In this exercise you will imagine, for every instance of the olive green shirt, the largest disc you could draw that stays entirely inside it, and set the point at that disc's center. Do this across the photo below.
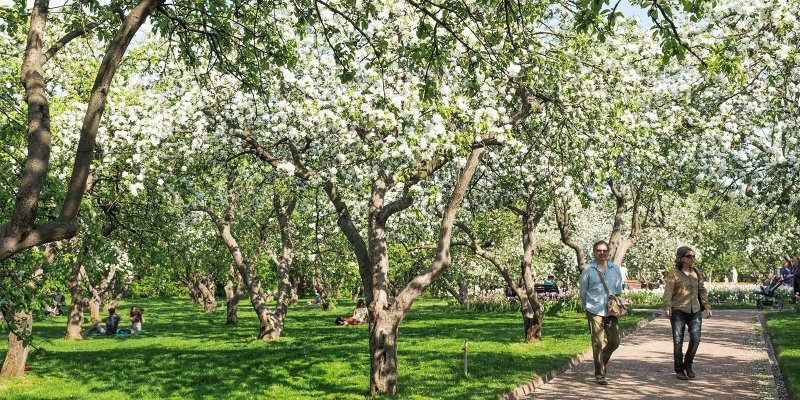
(685, 292)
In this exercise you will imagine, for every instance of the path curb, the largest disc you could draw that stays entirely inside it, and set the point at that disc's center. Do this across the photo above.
(528, 388)
(780, 380)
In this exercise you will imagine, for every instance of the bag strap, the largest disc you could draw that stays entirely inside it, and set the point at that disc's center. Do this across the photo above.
(603, 281)
(696, 272)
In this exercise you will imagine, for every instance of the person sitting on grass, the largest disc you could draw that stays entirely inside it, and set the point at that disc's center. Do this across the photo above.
(112, 322)
(317, 301)
(48, 310)
(59, 302)
(137, 319)
(359, 315)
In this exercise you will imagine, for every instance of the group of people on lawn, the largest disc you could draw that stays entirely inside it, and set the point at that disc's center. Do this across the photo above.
(112, 323)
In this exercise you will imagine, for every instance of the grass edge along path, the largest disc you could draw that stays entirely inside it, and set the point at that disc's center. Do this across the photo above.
(185, 354)
(783, 329)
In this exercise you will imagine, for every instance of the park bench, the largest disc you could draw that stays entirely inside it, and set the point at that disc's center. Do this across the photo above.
(549, 290)
(634, 284)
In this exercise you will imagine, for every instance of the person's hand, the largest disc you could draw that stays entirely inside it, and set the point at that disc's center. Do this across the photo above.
(668, 313)
(709, 313)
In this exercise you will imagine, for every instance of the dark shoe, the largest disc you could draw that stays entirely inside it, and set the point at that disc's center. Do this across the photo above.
(601, 381)
(690, 374)
(682, 376)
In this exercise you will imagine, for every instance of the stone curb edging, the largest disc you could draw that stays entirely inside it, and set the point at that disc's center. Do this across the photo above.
(520, 392)
(780, 380)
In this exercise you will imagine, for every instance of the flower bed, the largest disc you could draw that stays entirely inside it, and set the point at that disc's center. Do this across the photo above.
(733, 295)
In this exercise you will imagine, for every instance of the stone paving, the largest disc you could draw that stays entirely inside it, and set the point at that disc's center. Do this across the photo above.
(731, 363)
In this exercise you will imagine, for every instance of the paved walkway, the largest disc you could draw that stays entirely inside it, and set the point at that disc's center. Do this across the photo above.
(731, 363)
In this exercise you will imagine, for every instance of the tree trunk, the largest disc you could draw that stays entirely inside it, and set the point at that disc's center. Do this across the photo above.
(387, 314)
(207, 295)
(22, 232)
(269, 326)
(94, 309)
(617, 246)
(232, 298)
(461, 295)
(383, 354)
(532, 314)
(17, 355)
(75, 318)
(285, 292)
(564, 228)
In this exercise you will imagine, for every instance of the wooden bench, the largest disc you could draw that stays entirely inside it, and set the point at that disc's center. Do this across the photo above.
(634, 284)
(550, 290)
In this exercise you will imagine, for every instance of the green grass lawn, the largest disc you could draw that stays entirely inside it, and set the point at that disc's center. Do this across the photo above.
(185, 354)
(783, 329)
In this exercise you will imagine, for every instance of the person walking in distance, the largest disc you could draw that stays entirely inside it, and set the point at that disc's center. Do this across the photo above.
(685, 298)
(603, 327)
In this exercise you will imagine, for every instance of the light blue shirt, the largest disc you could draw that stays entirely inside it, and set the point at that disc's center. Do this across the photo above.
(593, 296)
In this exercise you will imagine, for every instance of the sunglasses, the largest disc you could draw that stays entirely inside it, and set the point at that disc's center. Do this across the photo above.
(689, 256)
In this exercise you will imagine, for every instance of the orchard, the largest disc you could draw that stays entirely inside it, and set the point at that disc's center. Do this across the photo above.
(291, 157)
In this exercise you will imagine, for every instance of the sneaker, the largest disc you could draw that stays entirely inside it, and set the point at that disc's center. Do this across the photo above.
(690, 374)
(682, 376)
(601, 381)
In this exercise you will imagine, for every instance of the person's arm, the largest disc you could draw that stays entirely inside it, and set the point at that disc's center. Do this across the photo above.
(618, 283)
(583, 284)
(669, 285)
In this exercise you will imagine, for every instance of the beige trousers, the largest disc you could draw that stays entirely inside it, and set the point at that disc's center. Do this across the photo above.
(605, 339)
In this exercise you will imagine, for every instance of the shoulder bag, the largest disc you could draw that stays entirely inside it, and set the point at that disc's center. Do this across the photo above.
(617, 306)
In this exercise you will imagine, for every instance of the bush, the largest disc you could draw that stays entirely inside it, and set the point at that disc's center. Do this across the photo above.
(645, 298)
(500, 304)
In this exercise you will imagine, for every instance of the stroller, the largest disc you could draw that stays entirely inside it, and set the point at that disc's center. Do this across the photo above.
(767, 294)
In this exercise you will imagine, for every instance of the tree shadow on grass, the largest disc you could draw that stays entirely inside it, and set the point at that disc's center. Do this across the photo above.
(187, 354)
(214, 373)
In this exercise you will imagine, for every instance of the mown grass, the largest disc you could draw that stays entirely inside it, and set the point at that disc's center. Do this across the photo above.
(185, 354)
(783, 328)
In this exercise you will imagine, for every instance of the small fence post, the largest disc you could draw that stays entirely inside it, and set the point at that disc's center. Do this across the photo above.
(466, 352)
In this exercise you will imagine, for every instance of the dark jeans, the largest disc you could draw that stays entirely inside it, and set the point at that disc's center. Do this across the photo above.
(679, 322)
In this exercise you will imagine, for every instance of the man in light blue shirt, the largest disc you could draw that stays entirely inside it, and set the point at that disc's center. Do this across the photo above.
(604, 328)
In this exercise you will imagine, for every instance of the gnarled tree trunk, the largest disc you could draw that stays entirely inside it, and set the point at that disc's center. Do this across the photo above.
(22, 231)
(563, 219)
(530, 307)
(75, 318)
(233, 293)
(385, 313)
(383, 352)
(270, 323)
(532, 313)
(618, 246)
(17, 354)
(461, 295)
(22, 326)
